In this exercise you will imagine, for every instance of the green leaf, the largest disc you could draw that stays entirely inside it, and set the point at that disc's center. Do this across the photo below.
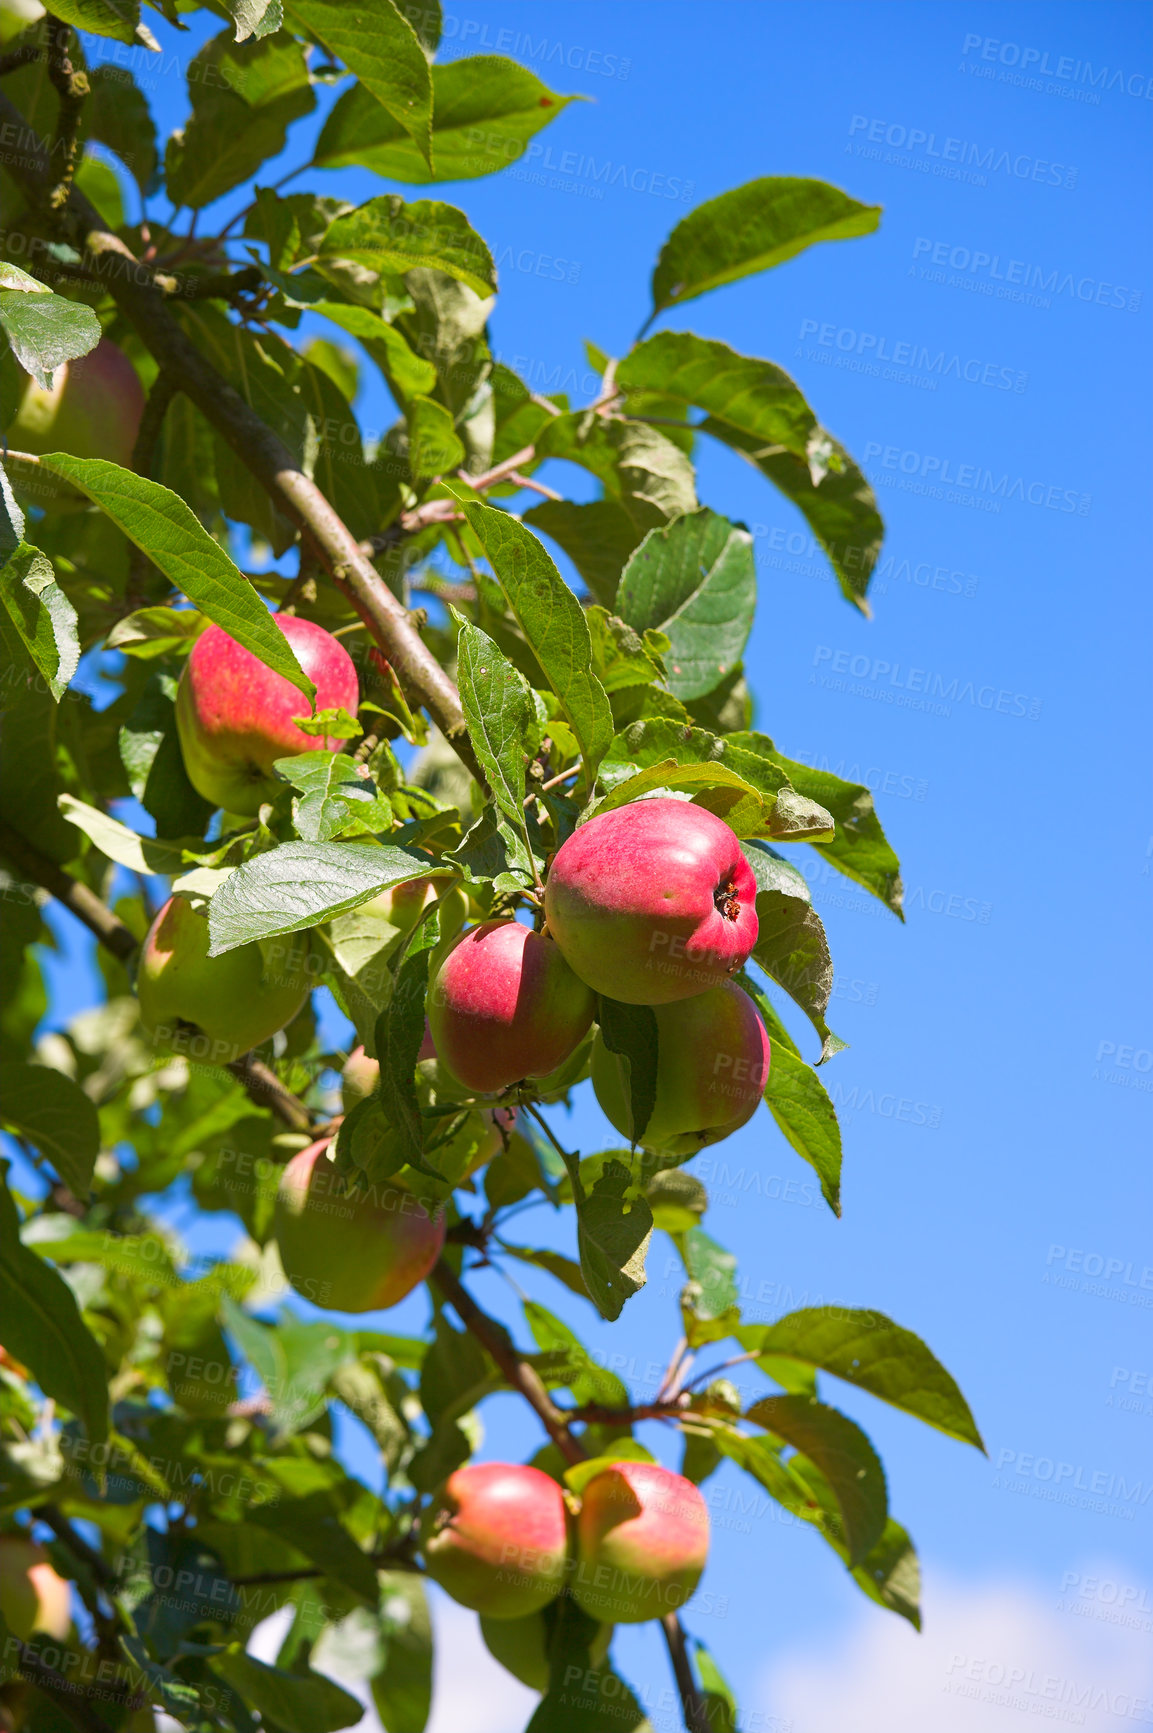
(119, 19)
(677, 1199)
(613, 1234)
(891, 1574)
(399, 1033)
(485, 110)
(300, 884)
(44, 619)
(388, 235)
(117, 114)
(645, 473)
(163, 527)
(630, 1032)
(751, 228)
(743, 788)
(408, 374)
(712, 1296)
(860, 848)
(552, 620)
(695, 580)
(380, 47)
(433, 446)
(402, 1690)
(500, 711)
(554, 1262)
(455, 1372)
(256, 17)
(310, 1524)
(245, 96)
(43, 1328)
(598, 538)
(757, 409)
(720, 1704)
(140, 854)
(297, 1702)
(44, 330)
(56, 1117)
(333, 790)
(867, 1349)
(572, 1363)
(845, 1457)
(799, 1101)
(837, 501)
(791, 943)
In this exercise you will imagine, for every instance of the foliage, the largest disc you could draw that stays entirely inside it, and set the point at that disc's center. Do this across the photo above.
(180, 1409)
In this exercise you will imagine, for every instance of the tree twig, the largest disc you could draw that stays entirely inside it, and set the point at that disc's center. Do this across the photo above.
(256, 445)
(71, 85)
(692, 1703)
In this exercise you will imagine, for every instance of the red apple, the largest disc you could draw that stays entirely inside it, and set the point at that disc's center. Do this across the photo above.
(93, 409)
(497, 1539)
(713, 1058)
(216, 1008)
(642, 1542)
(33, 1597)
(234, 715)
(652, 902)
(351, 1248)
(504, 1005)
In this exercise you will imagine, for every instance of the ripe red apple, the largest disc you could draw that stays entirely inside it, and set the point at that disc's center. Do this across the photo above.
(234, 714)
(351, 1248)
(713, 1058)
(642, 1542)
(497, 1539)
(521, 1647)
(33, 1597)
(652, 902)
(216, 1008)
(505, 1005)
(93, 409)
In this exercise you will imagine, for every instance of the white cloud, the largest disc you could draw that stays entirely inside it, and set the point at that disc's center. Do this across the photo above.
(992, 1656)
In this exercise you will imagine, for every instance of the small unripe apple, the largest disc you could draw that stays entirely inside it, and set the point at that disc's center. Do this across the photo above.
(713, 1057)
(33, 1597)
(93, 409)
(653, 902)
(234, 715)
(351, 1248)
(521, 1647)
(504, 1005)
(497, 1538)
(216, 1008)
(642, 1542)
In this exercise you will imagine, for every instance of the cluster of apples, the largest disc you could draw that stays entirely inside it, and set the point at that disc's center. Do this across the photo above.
(652, 903)
(502, 1539)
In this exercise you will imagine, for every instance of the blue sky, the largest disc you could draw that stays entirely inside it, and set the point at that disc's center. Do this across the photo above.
(985, 357)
